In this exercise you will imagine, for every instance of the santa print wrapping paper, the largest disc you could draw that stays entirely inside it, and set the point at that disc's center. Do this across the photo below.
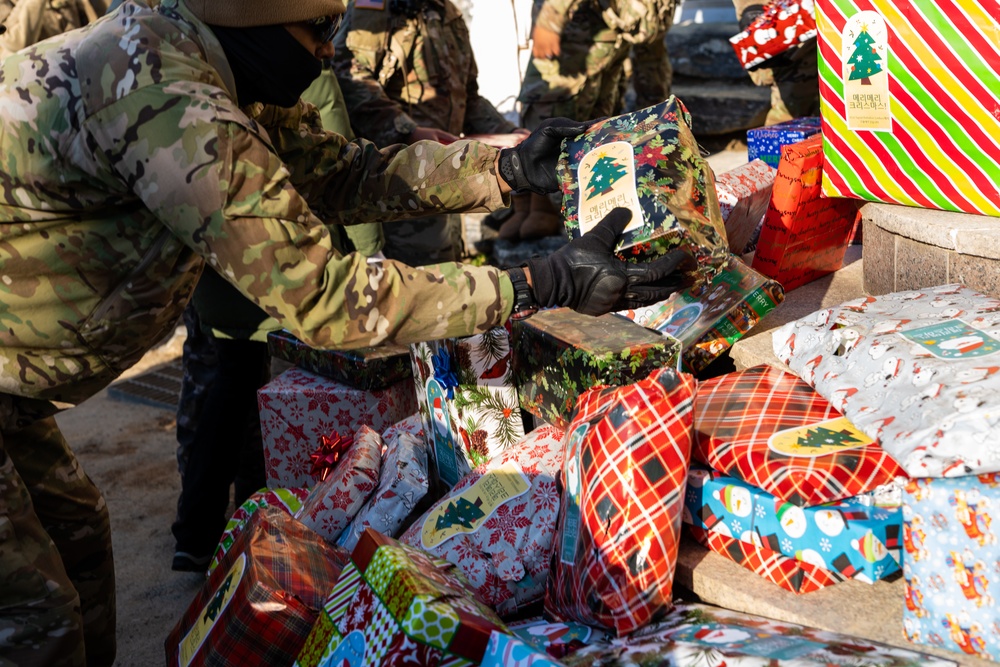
(298, 409)
(395, 605)
(908, 94)
(782, 25)
(916, 370)
(709, 317)
(766, 143)
(795, 576)
(335, 501)
(497, 525)
(805, 236)
(364, 368)
(559, 354)
(773, 431)
(744, 194)
(648, 162)
(258, 606)
(468, 400)
(845, 537)
(952, 564)
(288, 500)
(625, 467)
(403, 485)
(705, 636)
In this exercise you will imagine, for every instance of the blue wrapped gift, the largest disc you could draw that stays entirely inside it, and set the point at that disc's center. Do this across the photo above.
(765, 143)
(951, 564)
(848, 537)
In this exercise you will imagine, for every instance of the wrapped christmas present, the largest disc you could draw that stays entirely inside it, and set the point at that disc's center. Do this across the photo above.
(709, 317)
(909, 103)
(556, 639)
(258, 606)
(498, 524)
(765, 143)
(697, 634)
(648, 162)
(950, 564)
(403, 485)
(916, 370)
(364, 368)
(287, 500)
(626, 462)
(795, 576)
(845, 537)
(306, 421)
(773, 431)
(468, 400)
(561, 353)
(509, 651)
(412, 425)
(805, 236)
(744, 194)
(395, 605)
(337, 499)
(782, 25)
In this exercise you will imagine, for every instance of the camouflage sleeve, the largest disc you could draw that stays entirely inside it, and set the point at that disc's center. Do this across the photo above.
(208, 174)
(373, 114)
(554, 14)
(24, 25)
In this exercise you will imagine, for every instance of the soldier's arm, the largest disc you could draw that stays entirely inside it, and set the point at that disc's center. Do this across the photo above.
(373, 114)
(554, 14)
(24, 25)
(205, 171)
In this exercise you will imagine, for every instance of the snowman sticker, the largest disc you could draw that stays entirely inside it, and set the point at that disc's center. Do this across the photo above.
(952, 340)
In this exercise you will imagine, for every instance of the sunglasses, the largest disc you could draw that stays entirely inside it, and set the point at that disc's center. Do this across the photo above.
(326, 26)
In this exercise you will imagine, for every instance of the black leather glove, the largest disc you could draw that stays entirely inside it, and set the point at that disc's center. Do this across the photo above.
(586, 276)
(531, 165)
(749, 15)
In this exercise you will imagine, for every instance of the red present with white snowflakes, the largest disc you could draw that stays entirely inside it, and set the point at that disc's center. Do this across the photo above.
(782, 25)
(468, 401)
(744, 194)
(498, 523)
(336, 500)
(306, 420)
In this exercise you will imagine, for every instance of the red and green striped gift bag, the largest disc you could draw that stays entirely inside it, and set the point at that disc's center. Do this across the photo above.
(910, 107)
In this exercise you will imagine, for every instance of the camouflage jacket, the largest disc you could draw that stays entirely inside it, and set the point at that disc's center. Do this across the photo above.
(31, 21)
(635, 21)
(398, 72)
(126, 164)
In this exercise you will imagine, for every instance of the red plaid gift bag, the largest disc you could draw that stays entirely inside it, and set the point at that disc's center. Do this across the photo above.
(793, 575)
(287, 500)
(772, 430)
(260, 603)
(336, 500)
(624, 475)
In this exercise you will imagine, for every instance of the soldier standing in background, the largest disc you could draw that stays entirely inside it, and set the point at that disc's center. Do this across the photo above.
(31, 21)
(408, 73)
(793, 75)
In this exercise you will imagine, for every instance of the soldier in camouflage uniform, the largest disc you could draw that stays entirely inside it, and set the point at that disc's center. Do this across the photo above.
(793, 75)
(128, 165)
(406, 67)
(31, 21)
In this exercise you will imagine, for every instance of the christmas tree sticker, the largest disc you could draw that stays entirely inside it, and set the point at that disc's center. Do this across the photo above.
(460, 513)
(824, 437)
(219, 599)
(607, 171)
(865, 59)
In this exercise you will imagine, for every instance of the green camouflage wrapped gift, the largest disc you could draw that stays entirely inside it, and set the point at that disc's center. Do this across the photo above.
(364, 368)
(559, 354)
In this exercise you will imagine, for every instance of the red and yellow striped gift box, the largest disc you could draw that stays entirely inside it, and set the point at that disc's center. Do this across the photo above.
(910, 104)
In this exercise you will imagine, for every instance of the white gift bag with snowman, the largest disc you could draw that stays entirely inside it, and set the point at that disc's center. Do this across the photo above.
(918, 370)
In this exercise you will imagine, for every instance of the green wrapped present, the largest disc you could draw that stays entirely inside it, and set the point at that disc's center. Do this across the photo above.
(364, 368)
(559, 354)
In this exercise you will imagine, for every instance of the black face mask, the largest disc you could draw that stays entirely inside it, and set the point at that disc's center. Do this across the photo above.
(269, 65)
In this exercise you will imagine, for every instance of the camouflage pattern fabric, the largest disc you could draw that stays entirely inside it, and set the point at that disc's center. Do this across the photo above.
(131, 162)
(652, 73)
(31, 21)
(57, 579)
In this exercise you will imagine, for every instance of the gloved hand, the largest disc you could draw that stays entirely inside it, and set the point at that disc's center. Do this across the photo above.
(586, 276)
(531, 165)
(749, 15)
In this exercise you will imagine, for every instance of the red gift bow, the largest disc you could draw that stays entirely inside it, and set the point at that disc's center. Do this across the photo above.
(325, 458)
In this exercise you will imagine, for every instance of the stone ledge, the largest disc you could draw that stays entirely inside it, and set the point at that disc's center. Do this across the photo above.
(963, 233)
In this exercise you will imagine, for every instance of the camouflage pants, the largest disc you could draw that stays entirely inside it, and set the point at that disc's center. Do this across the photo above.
(428, 240)
(794, 84)
(652, 73)
(57, 578)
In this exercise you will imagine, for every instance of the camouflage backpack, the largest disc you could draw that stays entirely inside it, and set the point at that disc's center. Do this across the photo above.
(638, 21)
